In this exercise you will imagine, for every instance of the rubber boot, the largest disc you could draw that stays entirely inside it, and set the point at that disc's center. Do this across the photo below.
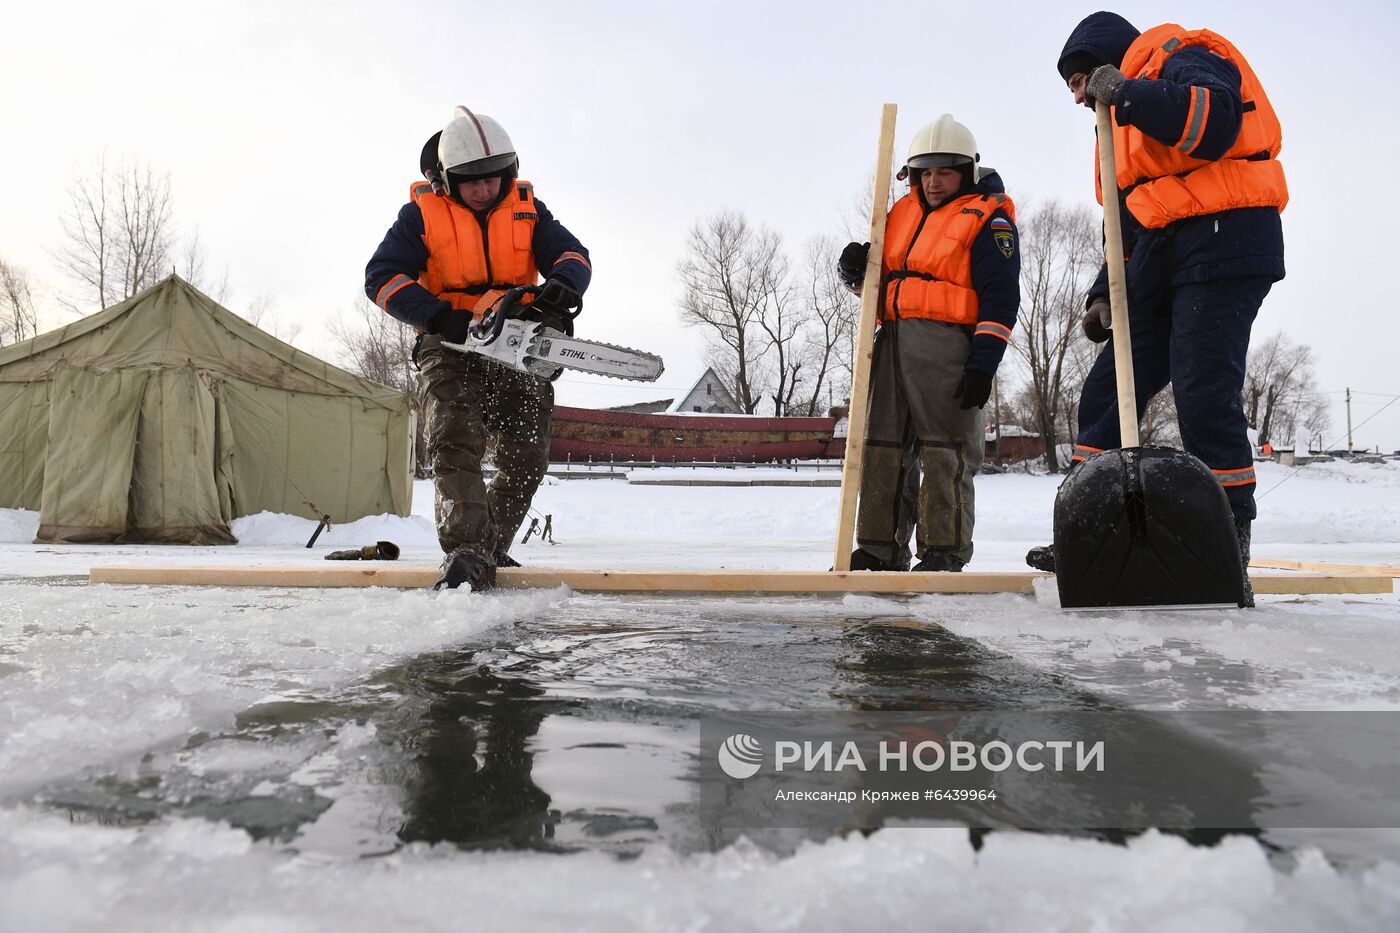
(462, 567)
(1243, 533)
(938, 562)
(863, 560)
(1042, 558)
(505, 560)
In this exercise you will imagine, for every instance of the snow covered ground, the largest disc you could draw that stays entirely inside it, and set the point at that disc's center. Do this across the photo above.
(157, 692)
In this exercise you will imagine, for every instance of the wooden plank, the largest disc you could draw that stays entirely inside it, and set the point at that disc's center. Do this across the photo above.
(1319, 583)
(1381, 570)
(690, 581)
(587, 581)
(865, 345)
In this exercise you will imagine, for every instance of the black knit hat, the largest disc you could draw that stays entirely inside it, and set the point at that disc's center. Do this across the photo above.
(1100, 39)
(1081, 63)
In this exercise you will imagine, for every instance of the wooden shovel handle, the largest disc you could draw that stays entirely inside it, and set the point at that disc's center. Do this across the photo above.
(1117, 281)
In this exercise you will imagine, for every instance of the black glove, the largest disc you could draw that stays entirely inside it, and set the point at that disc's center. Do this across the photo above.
(383, 550)
(851, 265)
(974, 389)
(552, 305)
(1105, 84)
(450, 324)
(1098, 321)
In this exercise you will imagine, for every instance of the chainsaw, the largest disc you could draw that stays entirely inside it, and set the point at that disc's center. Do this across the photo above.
(531, 347)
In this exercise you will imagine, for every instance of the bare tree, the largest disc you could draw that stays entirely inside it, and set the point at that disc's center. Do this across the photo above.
(832, 312)
(782, 318)
(262, 314)
(1280, 394)
(117, 230)
(194, 268)
(727, 279)
(18, 319)
(380, 348)
(1060, 254)
(1158, 425)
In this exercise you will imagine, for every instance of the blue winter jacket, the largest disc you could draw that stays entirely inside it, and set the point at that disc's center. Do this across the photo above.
(403, 252)
(1242, 242)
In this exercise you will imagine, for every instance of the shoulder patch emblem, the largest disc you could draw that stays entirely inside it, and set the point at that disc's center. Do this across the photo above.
(1004, 235)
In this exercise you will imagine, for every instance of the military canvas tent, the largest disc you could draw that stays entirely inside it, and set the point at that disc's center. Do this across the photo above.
(165, 417)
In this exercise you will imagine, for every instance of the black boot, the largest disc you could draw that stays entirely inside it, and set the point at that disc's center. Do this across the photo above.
(462, 566)
(1243, 533)
(505, 560)
(938, 562)
(864, 560)
(1042, 558)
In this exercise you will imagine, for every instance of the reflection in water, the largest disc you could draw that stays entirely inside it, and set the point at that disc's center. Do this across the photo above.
(912, 665)
(899, 666)
(469, 780)
(577, 729)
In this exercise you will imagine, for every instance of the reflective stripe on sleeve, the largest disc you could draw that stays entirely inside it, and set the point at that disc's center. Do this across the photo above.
(390, 289)
(1196, 119)
(995, 329)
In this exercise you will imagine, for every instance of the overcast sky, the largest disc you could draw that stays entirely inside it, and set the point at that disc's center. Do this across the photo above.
(291, 132)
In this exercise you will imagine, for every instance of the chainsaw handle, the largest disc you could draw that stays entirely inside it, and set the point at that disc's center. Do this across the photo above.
(490, 326)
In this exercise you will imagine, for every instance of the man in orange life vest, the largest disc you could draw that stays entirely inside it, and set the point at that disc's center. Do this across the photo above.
(1196, 142)
(950, 286)
(473, 230)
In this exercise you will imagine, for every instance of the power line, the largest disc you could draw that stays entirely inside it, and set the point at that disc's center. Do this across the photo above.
(1298, 470)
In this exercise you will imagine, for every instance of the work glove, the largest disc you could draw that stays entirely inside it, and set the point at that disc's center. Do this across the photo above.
(381, 550)
(974, 389)
(851, 265)
(552, 306)
(450, 324)
(1105, 84)
(1098, 321)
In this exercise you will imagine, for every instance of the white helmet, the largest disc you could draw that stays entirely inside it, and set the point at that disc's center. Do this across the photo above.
(944, 143)
(474, 146)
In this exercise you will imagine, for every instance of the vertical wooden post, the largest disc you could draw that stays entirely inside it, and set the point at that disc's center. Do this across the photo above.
(1117, 281)
(865, 345)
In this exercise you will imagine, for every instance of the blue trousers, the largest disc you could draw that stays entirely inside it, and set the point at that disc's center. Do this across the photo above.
(1194, 336)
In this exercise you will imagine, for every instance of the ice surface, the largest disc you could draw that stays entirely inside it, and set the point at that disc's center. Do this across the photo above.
(121, 681)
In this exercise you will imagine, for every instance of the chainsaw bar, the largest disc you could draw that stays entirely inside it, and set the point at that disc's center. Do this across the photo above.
(603, 359)
(539, 351)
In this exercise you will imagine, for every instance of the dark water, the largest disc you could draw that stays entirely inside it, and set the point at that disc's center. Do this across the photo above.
(575, 730)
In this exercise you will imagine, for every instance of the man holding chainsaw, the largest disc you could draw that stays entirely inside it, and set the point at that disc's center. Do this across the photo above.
(469, 235)
(1197, 146)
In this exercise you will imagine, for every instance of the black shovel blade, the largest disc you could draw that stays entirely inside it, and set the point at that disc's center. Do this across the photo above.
(1145, 526)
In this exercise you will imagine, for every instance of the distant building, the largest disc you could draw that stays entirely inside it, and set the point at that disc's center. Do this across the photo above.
(708, 396)
(1013, 443)
(645, 408)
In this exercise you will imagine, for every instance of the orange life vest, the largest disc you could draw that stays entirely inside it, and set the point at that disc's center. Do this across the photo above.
(1164, 184)
(465, 269)
(927, 268)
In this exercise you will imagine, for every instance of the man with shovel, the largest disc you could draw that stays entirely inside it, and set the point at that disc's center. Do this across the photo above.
(1196, 142)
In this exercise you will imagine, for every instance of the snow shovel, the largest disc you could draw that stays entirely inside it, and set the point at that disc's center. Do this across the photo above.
(1140, 527)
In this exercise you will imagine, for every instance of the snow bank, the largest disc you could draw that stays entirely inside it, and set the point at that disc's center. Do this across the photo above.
(270, 529)
(92, 675)
(18, 525)
(188, 874)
